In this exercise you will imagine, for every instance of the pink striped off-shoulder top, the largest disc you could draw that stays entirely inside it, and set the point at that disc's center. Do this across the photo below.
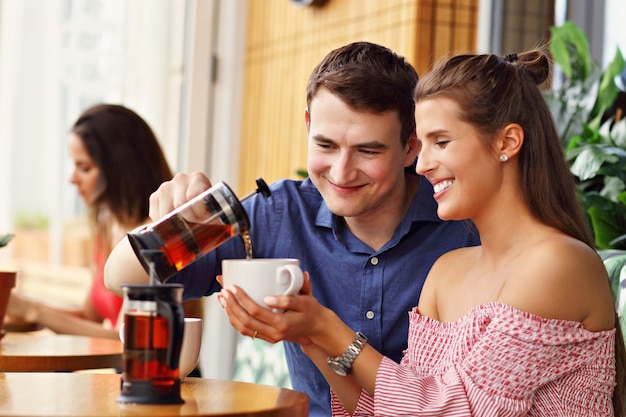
(495, 361)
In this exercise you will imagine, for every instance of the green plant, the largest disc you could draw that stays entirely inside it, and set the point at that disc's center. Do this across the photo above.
(593, 138)
(28, 220)
(5, 239)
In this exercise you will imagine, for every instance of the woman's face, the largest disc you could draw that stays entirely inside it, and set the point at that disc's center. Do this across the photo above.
(86, 172)
(464, 173)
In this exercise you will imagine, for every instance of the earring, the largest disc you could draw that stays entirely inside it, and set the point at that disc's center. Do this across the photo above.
(504, 158)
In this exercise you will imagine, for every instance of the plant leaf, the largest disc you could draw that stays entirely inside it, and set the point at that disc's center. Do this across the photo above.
(622, 198)
(613, 187)
(618, 133)
(565, 38)
(589, 161)
(605, 228)
(607, 91)
(5, 239)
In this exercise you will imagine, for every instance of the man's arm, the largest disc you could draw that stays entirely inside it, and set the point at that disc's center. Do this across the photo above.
(123, 267)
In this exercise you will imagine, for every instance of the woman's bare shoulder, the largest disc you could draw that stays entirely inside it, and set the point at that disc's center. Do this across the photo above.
(452, 265)
(442, 276)
(561, 278)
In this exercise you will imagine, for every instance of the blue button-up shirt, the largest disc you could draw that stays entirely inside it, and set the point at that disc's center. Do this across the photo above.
(372, 291)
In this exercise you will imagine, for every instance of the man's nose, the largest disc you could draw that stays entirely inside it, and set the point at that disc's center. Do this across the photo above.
(342, 169)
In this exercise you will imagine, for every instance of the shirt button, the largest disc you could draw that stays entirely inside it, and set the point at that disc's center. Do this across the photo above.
(369, 314)
(374, 261)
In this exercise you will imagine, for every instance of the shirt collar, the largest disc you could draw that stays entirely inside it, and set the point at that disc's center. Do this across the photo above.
(423, 209)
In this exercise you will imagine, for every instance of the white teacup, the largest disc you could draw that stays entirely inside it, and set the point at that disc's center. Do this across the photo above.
(260, 278)
(190, 348)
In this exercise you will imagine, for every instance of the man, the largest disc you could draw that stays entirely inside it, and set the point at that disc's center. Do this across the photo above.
(363, 225)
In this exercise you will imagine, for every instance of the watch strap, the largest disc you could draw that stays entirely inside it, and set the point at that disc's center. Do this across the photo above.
(342, 364)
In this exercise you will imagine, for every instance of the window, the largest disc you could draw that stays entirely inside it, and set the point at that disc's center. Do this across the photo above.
(57, 57)
(518, 25)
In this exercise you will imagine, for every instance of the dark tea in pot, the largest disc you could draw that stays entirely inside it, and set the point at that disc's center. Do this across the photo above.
(193, 229)
(154, 322)
(146, 341)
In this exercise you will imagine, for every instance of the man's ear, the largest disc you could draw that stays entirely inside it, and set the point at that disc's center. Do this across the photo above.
(412, 149)
(307, 119)
(511, 140)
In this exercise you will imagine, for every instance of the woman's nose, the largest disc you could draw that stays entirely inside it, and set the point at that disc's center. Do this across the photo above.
(423, 164)
(73, 179)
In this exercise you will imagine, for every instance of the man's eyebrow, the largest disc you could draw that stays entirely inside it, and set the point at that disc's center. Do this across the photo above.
(324, 139)
(374, 144)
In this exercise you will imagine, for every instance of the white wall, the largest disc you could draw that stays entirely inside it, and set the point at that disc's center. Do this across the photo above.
(29, 124)
(614, 30)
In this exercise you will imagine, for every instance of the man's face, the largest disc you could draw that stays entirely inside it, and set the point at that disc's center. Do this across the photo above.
(356, 159)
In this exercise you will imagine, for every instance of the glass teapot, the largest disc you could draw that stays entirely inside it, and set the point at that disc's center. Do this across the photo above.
(192, 230)
(154, 322)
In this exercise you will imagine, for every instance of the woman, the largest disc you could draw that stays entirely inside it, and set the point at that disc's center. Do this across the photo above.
(118, 163)
(523, 324)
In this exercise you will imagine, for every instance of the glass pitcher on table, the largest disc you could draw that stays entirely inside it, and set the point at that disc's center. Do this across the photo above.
(192, 230)
(154, 322)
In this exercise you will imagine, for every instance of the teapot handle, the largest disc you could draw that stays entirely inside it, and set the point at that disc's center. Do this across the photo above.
(175, 316)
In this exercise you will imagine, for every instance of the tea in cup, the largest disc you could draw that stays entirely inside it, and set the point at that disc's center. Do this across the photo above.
(261, 278)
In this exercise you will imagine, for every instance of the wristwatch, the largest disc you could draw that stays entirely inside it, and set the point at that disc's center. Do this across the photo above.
(342, 364)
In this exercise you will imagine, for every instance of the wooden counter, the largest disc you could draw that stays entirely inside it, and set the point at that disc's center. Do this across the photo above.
(44, 351)
(84, 394)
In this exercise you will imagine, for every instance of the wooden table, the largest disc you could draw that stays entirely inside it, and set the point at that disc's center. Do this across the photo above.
(83, 394)
(44, 351)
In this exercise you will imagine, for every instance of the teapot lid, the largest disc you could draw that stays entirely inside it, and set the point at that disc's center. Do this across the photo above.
(139, 291)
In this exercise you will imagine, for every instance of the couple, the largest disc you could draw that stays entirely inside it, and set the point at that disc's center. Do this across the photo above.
(520, 323)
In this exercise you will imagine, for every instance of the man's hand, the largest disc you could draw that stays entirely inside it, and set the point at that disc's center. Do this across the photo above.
(176, 192)
(254, 320)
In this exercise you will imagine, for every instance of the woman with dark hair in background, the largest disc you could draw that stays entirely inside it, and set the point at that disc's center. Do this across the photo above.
(118, 163)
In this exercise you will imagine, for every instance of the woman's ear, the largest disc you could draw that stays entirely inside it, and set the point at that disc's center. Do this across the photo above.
(511, 141)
